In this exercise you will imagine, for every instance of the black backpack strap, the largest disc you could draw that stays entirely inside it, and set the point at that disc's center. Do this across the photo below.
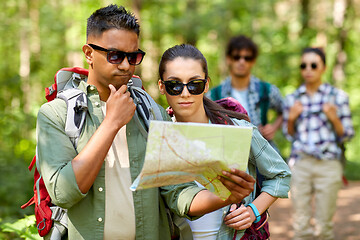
(264, 92)
(146, 108)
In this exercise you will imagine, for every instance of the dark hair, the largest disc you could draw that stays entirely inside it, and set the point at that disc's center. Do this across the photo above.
(185, 51)
(216, 113)
(318, 51)
(241, 42)
(109, 17)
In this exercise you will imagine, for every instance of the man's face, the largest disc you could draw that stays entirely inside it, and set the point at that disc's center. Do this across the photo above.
(240, 63)
(102, 71)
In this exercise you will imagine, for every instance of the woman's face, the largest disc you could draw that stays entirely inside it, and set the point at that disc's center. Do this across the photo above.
(187, 107)
(312, 68)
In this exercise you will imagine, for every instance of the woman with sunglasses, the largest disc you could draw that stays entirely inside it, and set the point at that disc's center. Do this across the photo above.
(317, 121)
(184, 80)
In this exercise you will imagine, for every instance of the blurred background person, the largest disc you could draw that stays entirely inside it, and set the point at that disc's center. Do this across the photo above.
(255, 95)
(317, 120)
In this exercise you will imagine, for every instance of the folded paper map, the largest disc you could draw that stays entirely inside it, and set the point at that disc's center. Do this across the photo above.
(183, 152)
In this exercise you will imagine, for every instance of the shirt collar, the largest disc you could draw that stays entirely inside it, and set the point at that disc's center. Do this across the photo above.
(322, 88)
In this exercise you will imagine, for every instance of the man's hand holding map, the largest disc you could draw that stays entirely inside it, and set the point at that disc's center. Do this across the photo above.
(183, 152)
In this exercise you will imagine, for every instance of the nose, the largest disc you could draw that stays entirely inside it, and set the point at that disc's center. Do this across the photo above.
(242, 59)
(124, 65)
(185, 92)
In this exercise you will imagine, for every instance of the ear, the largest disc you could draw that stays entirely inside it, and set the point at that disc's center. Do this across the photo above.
(228, 60)
(161, 87)
(207, 85)
(88, 51)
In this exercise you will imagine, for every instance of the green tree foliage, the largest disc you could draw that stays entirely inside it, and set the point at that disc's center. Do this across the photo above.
(39, 37)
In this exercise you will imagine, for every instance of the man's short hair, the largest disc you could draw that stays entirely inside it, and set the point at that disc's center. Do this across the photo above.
(109, 17)
(241, 42)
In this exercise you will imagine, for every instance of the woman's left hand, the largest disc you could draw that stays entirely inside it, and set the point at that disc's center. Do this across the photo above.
(238, 218)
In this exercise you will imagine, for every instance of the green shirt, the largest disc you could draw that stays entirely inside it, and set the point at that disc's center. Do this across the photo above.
(86, 212)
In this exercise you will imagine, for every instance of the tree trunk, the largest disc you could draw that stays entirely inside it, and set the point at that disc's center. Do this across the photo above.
(24, 69)
(305, 15)
(341, 9)
(191, 34)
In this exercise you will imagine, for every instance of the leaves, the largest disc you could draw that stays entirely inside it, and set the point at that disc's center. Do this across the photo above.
(25, 228)
(43, 36)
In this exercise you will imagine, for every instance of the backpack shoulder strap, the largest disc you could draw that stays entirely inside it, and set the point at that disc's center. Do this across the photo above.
(76, 102)
(215, 93)
(146, 108)
(264, 92)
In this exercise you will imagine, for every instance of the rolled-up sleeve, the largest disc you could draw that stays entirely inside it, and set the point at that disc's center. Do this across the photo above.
(54, 155)
(271, 165)
(179, 197)
(344, 113)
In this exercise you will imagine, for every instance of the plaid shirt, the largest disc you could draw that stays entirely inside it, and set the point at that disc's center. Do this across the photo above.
(275, 103)
(314, 133)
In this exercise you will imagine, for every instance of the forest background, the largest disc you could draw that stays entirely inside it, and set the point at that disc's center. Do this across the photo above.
(38, 37)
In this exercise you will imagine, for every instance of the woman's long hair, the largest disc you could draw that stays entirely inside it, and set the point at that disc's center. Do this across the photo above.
(216, 113)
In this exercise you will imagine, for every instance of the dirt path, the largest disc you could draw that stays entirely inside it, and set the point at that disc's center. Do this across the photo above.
(347, 216)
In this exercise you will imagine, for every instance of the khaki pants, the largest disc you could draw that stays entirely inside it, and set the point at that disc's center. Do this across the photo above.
(320, 179)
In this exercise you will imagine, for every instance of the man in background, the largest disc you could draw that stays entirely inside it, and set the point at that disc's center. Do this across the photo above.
(255, 95)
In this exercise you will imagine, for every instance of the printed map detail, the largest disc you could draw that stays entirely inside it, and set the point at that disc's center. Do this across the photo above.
(183, 152)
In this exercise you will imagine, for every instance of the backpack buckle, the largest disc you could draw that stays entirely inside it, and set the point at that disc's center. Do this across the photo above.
(80, 106)
(51, 90)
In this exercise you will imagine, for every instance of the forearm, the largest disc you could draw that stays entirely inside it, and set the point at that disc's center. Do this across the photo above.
(87, 164)
(205, 202)
(263, 202)
(291, 127)
(339, 128)
(277, 123)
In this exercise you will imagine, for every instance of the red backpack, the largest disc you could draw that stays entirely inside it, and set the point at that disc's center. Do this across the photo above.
(45, 212)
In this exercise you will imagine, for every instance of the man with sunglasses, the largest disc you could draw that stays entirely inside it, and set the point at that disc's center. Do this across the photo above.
(255, 95)
(92, 181)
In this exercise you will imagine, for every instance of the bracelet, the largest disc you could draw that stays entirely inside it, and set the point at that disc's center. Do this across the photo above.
(256, 212)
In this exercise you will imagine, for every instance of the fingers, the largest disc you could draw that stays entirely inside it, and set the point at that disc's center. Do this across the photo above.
(234, 212)
(239, 176)
(239, 183)
(233, 207)
(120, 107)
(239, 219)
(112, 89)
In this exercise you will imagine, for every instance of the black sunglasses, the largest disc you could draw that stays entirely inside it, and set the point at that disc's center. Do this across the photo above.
(312, 65)
(116, 56)
(195, 87)
(246, 58)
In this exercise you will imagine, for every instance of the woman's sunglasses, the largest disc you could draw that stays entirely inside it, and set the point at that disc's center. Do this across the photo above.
(304, 65)
(117, 57)
(195, 87)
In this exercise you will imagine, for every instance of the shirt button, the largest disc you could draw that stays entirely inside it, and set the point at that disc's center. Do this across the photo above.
(99, 219)
(92, 88)
(100, 189)
(97, 104)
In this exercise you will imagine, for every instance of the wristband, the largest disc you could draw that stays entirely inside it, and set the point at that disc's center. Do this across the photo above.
(256, 212)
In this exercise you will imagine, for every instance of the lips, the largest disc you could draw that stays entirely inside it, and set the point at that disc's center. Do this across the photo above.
(122, 75)
(185, 104)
